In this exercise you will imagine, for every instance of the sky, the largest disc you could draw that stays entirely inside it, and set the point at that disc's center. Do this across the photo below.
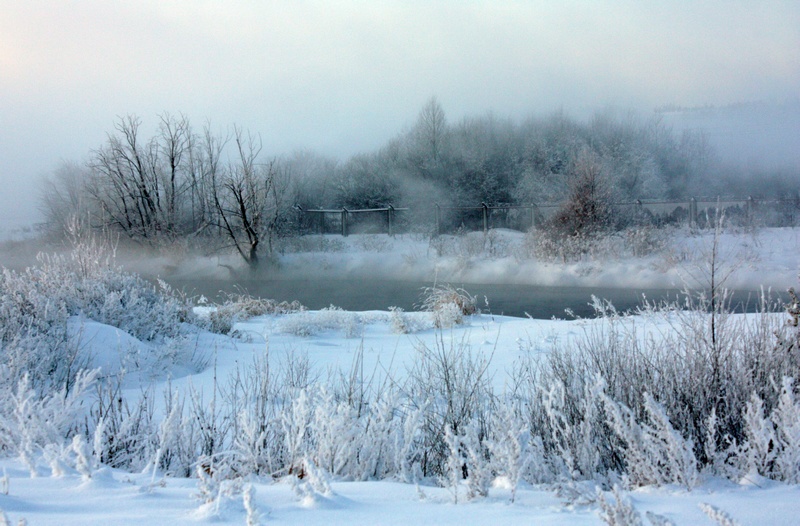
(343, 77)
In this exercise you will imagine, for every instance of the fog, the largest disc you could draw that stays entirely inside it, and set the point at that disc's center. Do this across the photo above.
(757, 135)
(345, 77)
(336, 90)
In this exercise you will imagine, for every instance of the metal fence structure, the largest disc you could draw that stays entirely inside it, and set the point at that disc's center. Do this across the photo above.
(694, 212)
(343, 220)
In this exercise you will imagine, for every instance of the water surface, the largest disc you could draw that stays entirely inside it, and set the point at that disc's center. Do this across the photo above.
(541, 302)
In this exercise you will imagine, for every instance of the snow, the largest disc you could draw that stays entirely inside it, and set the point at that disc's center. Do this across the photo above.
(115, 497)
(332, 340)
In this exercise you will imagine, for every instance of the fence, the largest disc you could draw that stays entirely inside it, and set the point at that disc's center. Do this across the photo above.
(343, 220)
(694, 212)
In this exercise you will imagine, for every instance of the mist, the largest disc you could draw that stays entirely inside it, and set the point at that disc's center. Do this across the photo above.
(345, 78)
(755, 137)
(662, 103)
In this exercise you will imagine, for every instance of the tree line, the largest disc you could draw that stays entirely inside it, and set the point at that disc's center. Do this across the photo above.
(184, 183)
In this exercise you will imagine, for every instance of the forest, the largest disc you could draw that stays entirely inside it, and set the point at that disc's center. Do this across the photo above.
(223, 191)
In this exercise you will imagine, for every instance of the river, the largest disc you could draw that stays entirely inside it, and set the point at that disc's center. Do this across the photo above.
(541, 302)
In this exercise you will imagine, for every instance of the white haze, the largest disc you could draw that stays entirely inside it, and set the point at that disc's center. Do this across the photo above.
(756, 135)
(751, 259)
(345, 77)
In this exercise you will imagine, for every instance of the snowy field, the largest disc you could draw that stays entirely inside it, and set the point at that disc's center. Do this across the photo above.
(119, 497)
(113, 497)
(381, 348)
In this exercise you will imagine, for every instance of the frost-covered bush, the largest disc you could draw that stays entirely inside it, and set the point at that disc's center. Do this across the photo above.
(546, 244)
(31, 420)
(772, 446)
(620, 511)
(33, 330)
(241, 307)
(404, 323)
(307, 323)
(672, 404)
(644, 240)
(36, 303)
(654, 452)
(451, 385)
(44, 379)
(448, 305)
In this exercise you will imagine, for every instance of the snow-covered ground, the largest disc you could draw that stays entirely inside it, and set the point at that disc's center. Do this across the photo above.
(334, 341)
(118, 498)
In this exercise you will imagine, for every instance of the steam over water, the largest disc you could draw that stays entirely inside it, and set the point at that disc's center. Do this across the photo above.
(540, 302)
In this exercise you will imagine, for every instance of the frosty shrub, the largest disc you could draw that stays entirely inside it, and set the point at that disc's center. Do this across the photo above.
(644, 240)
(398, 321)
(36, 303)
(479, 461)
(547, 244)
(463, 244)
(654, 452)
(30, 421)
(404, 323)
(672, 405)
(620, 511)
(511, 448)
(448, 305)
(373, 243)
(241, 307)
(450, 384)
(717, 515)
(305, 323)
(772, 448)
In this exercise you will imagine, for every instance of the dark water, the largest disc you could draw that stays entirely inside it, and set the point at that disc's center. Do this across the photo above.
(376, 294)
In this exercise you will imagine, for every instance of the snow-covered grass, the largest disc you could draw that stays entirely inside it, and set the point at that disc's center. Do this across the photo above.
(330, 416)
(326, 356)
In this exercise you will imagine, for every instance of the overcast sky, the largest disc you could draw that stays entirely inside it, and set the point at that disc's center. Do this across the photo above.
(344, 77)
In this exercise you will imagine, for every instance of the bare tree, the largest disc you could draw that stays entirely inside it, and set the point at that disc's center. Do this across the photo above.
(174, 147)
(247, 198)
(428, 140)
(120, 182)
(141, 186)
(63, 199)
(138, 184)
(432, 129)
(207, 160)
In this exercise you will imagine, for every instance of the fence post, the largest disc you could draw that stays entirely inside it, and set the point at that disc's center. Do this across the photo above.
(438, 220)
(344, 222)
(692, 212)
(485, 218)
(749, 208)
(300, 217)
(390, 216)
